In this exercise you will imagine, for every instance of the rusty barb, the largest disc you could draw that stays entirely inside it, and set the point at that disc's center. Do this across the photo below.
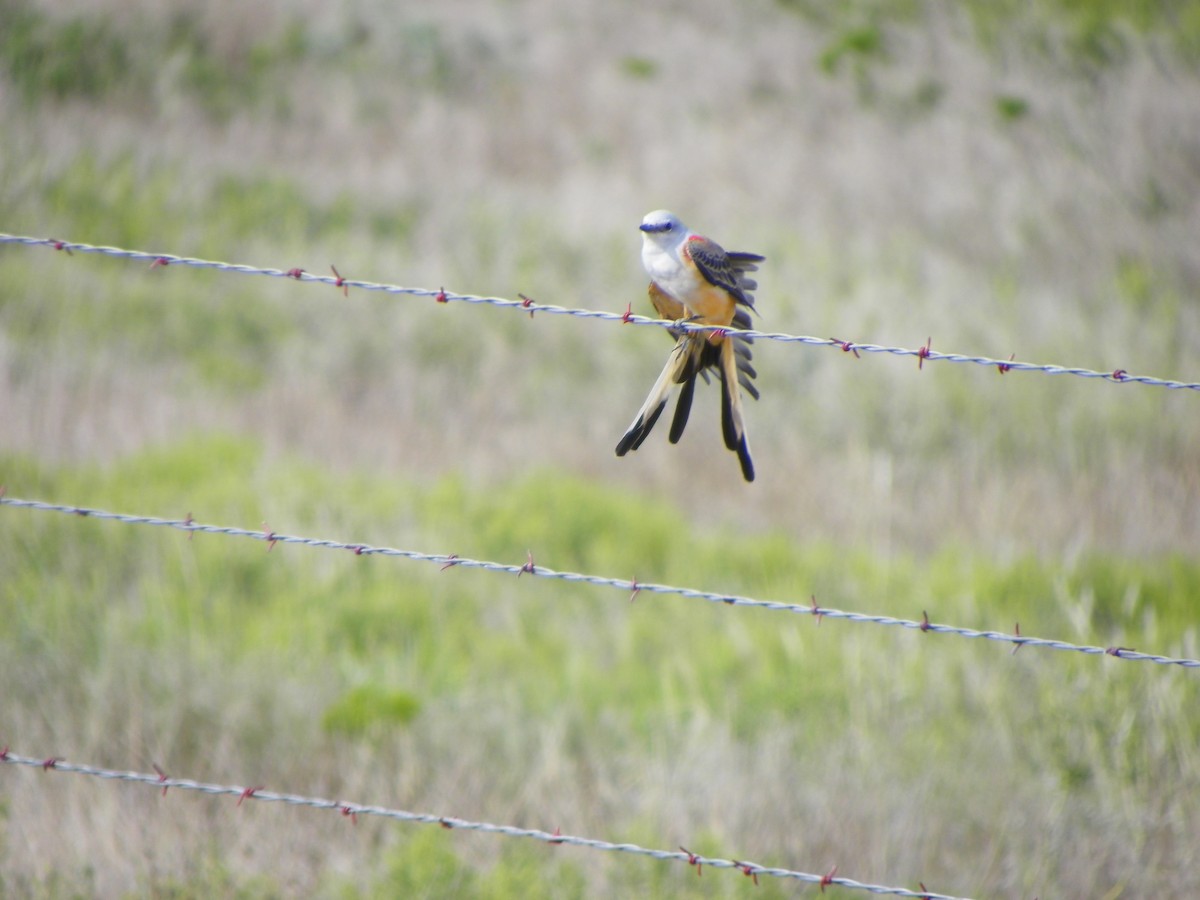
(923, 354)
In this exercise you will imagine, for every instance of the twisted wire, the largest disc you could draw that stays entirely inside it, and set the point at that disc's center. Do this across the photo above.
(922, 354)
(353, 810)
(624, 584)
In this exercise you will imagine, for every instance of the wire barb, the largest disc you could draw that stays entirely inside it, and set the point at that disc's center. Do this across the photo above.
(622, 584)
(924, 354)
(340, 282)
(162, 776)
(749, 869)
(847, 347)
(828, 878)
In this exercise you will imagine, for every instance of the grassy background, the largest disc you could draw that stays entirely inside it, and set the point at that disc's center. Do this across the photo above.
(1003, 178)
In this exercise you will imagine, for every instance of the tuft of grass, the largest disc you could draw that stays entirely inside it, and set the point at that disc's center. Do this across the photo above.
(1011, 108)
(46, 57)
(640, 68)
(428, 865)
(368, 708)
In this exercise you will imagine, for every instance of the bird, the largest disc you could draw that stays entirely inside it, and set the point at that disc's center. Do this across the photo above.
(694, 280)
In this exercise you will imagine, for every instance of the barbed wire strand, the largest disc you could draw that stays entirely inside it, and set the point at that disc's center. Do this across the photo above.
(632, 586)
(923, 354)
(353, 810)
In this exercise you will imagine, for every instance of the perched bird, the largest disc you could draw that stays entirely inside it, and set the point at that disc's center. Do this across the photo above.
(692, 279)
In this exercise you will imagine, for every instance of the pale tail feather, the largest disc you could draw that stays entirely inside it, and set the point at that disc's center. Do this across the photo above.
(648, 415)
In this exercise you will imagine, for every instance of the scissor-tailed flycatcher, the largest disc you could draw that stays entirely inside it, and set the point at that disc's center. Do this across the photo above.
(693, 279)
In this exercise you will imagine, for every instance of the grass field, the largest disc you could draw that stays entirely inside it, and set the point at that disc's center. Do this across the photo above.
(1004, 180)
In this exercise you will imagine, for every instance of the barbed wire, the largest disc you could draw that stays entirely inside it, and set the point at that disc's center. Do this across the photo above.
(923, 354)
(353, 810)
(631, 586)
(753, 870)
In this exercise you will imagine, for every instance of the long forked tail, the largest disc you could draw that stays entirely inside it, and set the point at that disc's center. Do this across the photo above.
(708, 356)
(678, 364)
(733, 425)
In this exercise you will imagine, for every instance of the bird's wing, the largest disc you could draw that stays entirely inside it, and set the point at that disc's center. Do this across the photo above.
(743, 263)
(719, 269)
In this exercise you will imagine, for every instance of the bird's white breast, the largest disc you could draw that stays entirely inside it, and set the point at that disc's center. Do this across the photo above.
(665, 268)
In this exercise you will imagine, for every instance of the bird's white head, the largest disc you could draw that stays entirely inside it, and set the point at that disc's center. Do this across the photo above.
(663, 228)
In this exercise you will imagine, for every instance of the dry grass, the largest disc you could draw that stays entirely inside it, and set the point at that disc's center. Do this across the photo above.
(882, 222)
(525, 141)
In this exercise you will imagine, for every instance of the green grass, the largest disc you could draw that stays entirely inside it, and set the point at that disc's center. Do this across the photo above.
(429, 866)
(379, 646)
(118, 59)
(1007, 180)
(126, 203)
(45, 58)
(1085, 32)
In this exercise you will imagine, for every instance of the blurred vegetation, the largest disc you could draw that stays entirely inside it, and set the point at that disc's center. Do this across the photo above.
(124, 201)
(219, 655)
(376, 642)
(84, 56)
(353, 613)
(101, 57)
(428, 866)
(1089, 32)
(98, 57)
(1088, 38)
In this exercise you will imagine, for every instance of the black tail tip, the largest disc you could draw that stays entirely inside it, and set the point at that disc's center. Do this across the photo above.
(743, 453)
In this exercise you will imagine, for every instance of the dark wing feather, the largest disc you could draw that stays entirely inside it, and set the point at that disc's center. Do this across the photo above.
(722, 269)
